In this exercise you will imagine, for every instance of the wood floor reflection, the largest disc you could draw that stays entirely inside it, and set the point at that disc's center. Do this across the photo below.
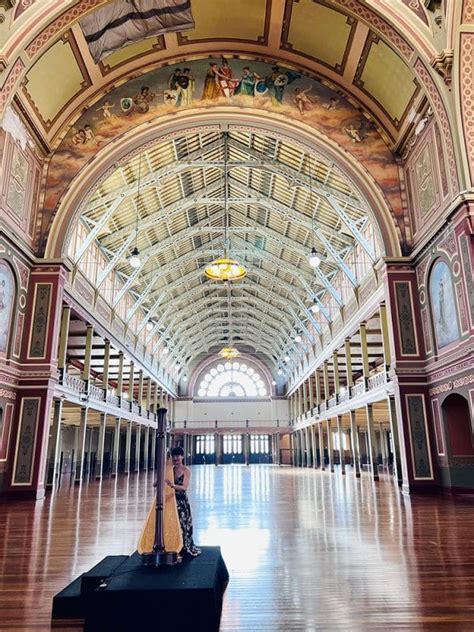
(305, 550)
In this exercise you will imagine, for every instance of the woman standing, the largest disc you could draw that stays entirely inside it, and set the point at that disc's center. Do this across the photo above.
(181, 476)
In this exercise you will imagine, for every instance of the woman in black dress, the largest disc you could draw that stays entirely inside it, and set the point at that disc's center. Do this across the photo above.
(182, 475)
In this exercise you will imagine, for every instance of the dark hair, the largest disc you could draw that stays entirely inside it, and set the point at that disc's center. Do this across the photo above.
(178, 451)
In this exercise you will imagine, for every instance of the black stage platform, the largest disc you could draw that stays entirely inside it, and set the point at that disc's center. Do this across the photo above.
(120, 595)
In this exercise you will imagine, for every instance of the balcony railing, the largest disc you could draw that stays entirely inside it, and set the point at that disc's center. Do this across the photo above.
(234, 424)
(358, 389)
(74, 383)
(95, 392)
(374, 381)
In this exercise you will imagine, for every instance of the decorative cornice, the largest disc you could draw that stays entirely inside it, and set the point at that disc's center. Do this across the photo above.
(443, 64)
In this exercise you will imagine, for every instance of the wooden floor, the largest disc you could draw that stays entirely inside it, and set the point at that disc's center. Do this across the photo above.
(305, 550)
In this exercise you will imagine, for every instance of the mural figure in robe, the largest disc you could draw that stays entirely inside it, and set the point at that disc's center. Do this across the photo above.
(211, 89)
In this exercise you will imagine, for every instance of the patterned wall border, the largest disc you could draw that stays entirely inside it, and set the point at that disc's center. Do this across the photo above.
(7, 88)
(409, 325)
(288, 46)
(468, 12)
(440, 109)
(6, 430)
(419, 435)
(26, 441)
(417, 7)
(466, 82)
(43, 326)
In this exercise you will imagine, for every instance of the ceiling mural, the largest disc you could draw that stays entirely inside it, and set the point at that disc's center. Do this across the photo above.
(234, 82)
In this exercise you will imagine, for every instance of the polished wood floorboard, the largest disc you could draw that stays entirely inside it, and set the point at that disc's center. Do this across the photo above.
(306, 550)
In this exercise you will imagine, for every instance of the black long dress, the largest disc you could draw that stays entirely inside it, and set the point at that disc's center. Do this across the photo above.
(185, 520)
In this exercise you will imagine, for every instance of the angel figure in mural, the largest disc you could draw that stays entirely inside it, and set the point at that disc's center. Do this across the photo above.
(246, 85)
(277, 81)
(443, 325)
(142, 100)
(106, 113)
(78, 137)
(331, 104)
(302, 101)
(226, 80)
(355, 131)
(211, 83)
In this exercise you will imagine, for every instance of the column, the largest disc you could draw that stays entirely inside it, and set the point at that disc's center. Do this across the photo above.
(116, 448)
(247, 448)
(156, 398)
(100, 447)
(397, 468)
(355, 443)
(298, 399)
(131, 382)
(138, 435)
(342, 459)
(89, 453)
(372, 443)
(326, 380)
(304, 388)
(140, 389)
(321, 446)
(128, 446)
(153, 450)
(106, 371)
(311, 393)
(307, 448)
(54, 447)
(314, 447)
(276, 448)
(317, 380)
(146, 449)
(86, 371)
(148, 390)
(387, 354)
(63, 340)
(335, 362)
(330, 445)
(365, 352)
(81, 446)
(349, 376)
(120, 377)
(218, 445)
(383, 446)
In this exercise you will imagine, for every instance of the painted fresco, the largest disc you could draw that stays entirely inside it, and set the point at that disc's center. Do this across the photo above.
(7, 293)
(238, 83)
(443, 305)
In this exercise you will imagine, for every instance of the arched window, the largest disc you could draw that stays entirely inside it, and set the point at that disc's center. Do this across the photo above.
(232, 379)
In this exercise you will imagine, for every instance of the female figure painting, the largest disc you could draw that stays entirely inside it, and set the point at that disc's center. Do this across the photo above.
(443, 305)
(7, 291)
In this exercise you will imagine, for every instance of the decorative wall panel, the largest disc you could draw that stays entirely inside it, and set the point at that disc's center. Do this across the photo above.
(39, 326)
(26, 442)
(405, 319)
(419, 440)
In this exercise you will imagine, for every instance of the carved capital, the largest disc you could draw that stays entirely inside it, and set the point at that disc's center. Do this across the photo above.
(443, 64)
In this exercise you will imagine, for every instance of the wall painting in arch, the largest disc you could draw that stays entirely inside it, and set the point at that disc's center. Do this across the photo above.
(7, 295)
(237, 83)
(443, 305)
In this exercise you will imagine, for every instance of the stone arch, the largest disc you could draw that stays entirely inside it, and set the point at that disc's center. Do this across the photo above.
(388, 225)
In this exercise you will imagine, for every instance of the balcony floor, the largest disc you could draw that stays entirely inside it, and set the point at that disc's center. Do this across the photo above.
(306, 551)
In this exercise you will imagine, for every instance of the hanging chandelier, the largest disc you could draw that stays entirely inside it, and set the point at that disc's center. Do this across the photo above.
(225, 268)
(229, 352)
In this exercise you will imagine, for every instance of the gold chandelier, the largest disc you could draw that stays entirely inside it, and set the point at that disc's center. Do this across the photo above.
(229, 353)
(224, 268)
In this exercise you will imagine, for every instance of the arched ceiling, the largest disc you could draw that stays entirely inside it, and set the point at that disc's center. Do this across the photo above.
(281, 201)
(364, 49)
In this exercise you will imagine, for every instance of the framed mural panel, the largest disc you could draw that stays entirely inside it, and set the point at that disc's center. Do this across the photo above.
(7, 300)
(443, 305)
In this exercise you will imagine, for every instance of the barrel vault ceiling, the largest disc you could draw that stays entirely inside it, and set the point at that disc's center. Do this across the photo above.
(335, 40)
(277, 197)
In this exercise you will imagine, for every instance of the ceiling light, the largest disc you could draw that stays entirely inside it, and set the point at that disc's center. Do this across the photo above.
(314, 259)
(273, 382)
(298, 338)
(315, 308)
(185, 378)
(225, 269)
(134, 259)
(165, 350)
(280, 372)
(287, 358)
(149, 326)
(229, 353)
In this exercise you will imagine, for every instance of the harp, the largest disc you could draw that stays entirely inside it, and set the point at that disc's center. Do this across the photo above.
(161, 539)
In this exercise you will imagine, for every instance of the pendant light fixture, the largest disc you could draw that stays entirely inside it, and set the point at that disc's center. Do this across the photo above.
(229, 352)
(134, 259)
(224, 268)
(313, 257)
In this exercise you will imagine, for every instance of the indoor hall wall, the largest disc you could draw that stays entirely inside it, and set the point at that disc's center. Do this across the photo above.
(228, 411)
(446, 302)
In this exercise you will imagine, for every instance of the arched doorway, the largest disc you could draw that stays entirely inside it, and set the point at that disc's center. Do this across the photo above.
(458, 426)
